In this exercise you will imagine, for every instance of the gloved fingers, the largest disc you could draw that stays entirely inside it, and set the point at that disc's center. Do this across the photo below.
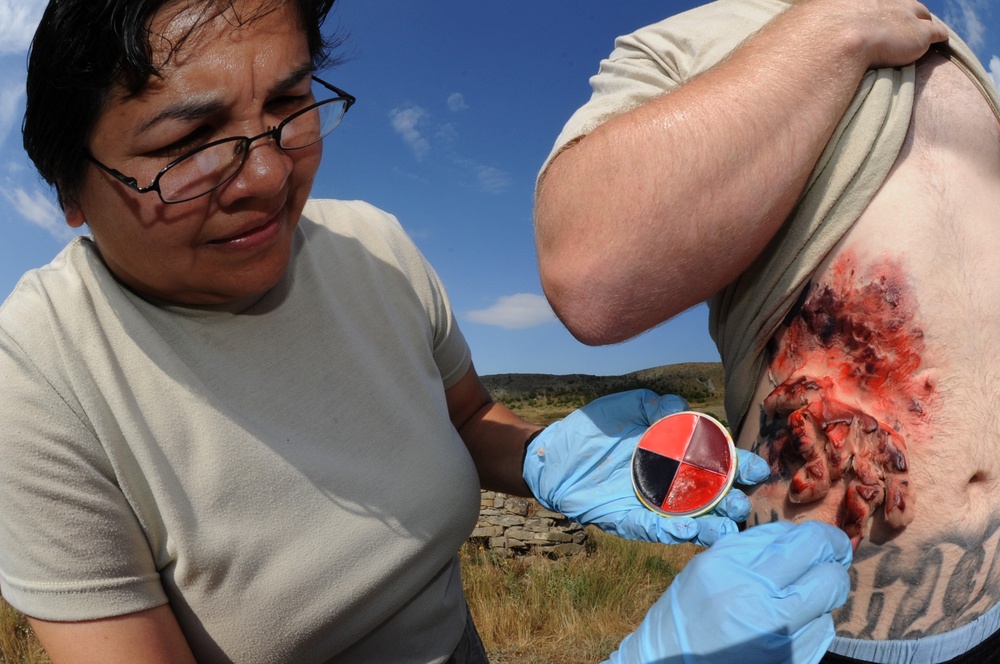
(810, 644)
(713, 528)
(745, 549)
(786, 558)
(734, 505)
(821, 589)
(610, 413)
(750, 468)
(646, 526)
(637, 407)
(642, 524)
(680, 529)
(659, 407)
(720, 604)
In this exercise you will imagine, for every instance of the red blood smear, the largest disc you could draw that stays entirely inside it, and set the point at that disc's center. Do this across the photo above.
(849, 362)
(670, 435)
(864, 335)
(692, 489)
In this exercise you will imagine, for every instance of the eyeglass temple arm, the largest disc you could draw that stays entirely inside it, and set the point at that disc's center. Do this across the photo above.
(347, 96)
(129, 182)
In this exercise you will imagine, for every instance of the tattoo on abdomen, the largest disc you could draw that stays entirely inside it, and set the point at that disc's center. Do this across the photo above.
(911, 597)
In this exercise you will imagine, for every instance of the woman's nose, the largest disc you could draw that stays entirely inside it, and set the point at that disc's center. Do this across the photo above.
(264, 173)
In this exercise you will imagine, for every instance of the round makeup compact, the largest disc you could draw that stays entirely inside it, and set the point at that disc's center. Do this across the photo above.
(684, 464)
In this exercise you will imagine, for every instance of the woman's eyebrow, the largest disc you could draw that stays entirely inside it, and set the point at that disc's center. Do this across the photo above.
(193, 109)
(293, 79)
(186, 110)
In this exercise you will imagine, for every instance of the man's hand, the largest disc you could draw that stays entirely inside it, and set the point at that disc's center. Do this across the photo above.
(581, 467)
(882, 33)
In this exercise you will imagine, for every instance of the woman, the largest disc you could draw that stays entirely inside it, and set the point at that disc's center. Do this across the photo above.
(240, 425)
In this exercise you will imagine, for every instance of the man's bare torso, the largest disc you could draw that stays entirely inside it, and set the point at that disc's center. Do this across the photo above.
(879, 407)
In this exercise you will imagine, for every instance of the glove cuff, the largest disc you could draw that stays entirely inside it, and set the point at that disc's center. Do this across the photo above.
(524, 453)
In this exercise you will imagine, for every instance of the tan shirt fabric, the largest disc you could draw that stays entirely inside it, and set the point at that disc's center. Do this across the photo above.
(283, 472)
(662, 56)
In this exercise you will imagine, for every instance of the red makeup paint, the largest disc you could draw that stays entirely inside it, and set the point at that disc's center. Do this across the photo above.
(850, 394)
(684, 464)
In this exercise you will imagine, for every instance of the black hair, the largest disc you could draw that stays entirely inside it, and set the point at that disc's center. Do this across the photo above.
(82, 49)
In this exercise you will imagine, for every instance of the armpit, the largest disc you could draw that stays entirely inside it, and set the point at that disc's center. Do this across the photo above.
(849, 393)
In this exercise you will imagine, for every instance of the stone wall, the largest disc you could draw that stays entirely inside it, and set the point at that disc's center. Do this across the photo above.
(514, 526)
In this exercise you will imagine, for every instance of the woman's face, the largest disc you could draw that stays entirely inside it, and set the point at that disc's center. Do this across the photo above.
(223, 81)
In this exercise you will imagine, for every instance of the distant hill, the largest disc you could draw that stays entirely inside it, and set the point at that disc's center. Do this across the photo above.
(701, 383)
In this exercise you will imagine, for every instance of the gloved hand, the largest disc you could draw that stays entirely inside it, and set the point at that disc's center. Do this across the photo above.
(761, 596)
(581, 467)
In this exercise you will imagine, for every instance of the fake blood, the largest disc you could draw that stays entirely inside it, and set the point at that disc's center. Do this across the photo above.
(683, 464)
(847, 366)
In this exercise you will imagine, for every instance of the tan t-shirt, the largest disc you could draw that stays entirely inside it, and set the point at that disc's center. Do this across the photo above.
(283, 472)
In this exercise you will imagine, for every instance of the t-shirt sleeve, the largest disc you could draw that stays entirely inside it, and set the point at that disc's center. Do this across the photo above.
(657, 58)
(71, 548)
(384, 238)
(451, 351)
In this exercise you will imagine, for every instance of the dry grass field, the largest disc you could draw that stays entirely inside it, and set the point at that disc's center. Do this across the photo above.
(18, 644)
(532, 610)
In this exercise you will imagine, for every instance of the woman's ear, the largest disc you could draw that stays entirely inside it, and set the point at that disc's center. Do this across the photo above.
(71, 208)
(74, 215)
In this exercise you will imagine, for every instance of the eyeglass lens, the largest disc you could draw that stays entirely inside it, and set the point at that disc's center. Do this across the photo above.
(200, 172)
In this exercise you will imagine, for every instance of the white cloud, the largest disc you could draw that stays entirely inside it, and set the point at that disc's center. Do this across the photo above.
(963, 17)
(18, 20)
(38, 208)
(456, 102)
(446, 134)
(995, 70)
(492, 180)
(514, 312)
(413, 124)
(404, 122)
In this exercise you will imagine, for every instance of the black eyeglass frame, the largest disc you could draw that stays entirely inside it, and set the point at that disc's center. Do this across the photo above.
(274, 133)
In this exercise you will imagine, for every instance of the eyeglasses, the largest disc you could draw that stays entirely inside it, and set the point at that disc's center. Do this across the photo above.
(209, 167)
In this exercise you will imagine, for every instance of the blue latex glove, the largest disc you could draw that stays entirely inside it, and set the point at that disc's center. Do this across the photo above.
(762, 596)
(581, 467)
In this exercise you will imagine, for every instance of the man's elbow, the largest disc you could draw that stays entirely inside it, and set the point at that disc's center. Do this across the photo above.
(573, 267)
(592, 315)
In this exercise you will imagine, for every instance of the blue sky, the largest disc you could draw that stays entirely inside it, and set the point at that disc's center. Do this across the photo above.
(459, 102)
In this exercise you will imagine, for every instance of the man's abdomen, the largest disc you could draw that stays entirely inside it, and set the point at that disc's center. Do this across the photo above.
(879, 406)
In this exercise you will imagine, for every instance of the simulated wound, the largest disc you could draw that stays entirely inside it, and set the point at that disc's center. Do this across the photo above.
(849, 395)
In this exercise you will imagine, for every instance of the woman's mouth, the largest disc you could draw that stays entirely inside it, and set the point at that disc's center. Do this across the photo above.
(253, 237)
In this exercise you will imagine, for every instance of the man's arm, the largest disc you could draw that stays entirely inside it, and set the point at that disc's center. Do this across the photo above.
(146, 637)
(663, 205)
